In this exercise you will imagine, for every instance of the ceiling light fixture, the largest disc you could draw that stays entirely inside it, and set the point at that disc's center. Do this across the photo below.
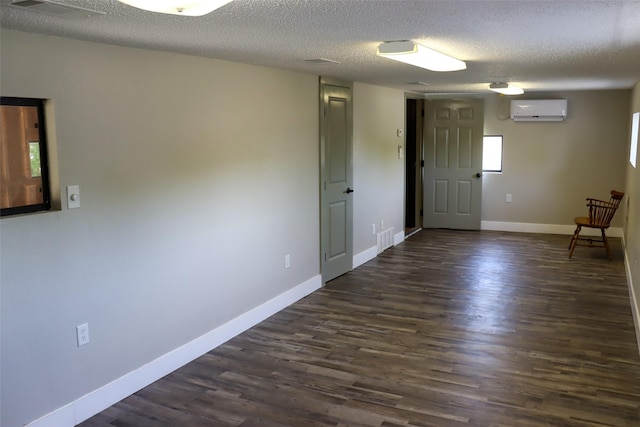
(178, 7)
(506, 89)
(414, 54)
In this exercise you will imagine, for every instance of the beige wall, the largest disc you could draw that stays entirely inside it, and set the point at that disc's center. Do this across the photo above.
(189, 169)
(378, 172)
(632, 217)
(551, 167)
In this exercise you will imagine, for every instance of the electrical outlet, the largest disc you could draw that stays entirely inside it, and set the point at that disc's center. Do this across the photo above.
(508, 198)
(287, 261)
(82, 333)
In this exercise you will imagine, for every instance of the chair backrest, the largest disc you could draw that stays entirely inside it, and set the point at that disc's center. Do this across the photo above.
(601, 212)
(616, 197)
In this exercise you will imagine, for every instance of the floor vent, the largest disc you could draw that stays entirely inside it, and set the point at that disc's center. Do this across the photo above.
(385, 239)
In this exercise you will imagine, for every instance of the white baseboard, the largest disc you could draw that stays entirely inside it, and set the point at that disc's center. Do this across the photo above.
(63, 417)
(102, 398)
(635, 304)
(369, 254)
(398, 238)
(524, 227)
(417, 230)
(365, 256)
(635, 308)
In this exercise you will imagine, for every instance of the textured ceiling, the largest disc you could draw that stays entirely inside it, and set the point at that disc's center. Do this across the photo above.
(538, 45)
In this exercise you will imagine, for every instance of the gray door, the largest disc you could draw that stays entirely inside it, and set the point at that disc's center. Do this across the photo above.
(453, 164)
(336, 178)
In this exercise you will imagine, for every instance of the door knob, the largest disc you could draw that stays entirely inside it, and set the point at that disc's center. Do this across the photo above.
(479, 175)
(349, 190)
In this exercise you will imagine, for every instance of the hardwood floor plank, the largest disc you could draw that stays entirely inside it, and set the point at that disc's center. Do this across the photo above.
(449, 328)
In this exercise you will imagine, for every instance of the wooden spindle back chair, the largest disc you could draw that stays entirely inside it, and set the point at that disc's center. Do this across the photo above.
(600, 215)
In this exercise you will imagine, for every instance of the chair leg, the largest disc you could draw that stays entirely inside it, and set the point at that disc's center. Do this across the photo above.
(606, 244)
(574, 240)
(572, 237)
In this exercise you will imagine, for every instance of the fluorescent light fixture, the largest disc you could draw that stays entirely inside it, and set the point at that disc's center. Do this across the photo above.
(414, 54)
(506, 89)
(178, 7)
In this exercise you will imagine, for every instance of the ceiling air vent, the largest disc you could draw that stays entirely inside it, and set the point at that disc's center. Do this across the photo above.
(321, 61)
(52, 8)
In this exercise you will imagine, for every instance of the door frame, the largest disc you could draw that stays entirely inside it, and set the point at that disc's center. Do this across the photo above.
(346, 264)
(414, 164)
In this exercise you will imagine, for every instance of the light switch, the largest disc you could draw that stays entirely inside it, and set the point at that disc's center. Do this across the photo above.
(73, 196)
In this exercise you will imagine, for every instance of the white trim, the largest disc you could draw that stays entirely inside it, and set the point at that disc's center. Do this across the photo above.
(525, 227)
(398, 238)
(417, 230)
(63, 416)
(109, 394)
(365, 256)
(369, 254)
(635, 304)
(635, 308)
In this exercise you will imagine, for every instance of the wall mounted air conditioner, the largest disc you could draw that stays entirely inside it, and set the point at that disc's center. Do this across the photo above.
(538, 110)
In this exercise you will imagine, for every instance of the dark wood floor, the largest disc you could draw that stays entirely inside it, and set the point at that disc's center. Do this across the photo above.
(449, 328)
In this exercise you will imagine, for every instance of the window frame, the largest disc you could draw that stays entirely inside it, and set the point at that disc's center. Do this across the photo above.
(44, 157)
(635, 137)
(501, 154)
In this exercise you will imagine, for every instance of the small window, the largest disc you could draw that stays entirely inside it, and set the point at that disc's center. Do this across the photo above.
(24, 178)
(34, 159)
(633, 149)
(492, 153)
